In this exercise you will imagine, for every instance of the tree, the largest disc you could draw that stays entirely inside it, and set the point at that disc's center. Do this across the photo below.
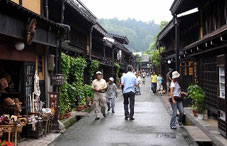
(152, 51)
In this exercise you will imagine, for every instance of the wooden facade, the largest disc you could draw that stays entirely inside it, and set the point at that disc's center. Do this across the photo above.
(202, 39)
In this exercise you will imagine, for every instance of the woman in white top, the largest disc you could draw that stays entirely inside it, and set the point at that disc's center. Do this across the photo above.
(176, 100)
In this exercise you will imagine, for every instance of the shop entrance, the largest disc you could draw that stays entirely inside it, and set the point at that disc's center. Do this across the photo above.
(16, 81)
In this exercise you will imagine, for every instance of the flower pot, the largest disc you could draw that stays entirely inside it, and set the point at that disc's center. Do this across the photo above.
(200, 117)
(80, 108)
(92, 102)
(61, 117)
(194, 113)
(67, 115)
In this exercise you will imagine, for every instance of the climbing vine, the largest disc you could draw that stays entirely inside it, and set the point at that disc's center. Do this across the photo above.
(74, 88)
(65, 65)
(117, 73)
(77, 70)
(94, 66)
(64, 96)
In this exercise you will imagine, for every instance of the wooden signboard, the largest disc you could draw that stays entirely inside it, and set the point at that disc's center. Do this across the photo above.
(53, 97)
(57, 80)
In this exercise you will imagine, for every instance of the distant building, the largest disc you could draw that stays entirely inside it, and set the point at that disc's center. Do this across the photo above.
(138, 54)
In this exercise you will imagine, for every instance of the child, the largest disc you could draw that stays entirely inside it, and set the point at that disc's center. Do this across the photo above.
(111, 94)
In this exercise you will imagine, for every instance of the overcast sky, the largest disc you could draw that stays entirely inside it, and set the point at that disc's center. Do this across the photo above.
(145, 10)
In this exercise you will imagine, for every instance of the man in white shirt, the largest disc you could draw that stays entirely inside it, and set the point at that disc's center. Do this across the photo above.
(129, 82)
(99, 87)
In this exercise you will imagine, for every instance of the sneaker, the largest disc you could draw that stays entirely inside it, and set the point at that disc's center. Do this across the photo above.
(113, 112)
(104, 115)
(126, 118)
(97, 118)
(132, 119)
(181, 125)
(173, 127)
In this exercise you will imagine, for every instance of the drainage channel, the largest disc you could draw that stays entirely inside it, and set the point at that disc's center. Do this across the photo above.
(196, 134)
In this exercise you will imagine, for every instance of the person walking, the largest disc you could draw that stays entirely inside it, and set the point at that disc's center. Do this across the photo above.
(122, 86)
(129, 81)
(144, 77)
(111, 94)
(168, 80)
(176, 100)
(154, 82)
(159, 84)
(99, 87)
(139, 84)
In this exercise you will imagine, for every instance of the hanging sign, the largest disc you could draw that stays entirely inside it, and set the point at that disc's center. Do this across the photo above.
(57, 80)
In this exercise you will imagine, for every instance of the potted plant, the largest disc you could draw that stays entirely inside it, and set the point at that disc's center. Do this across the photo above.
(194, 110)
(197, 95)
(81, 103)
(88, 94)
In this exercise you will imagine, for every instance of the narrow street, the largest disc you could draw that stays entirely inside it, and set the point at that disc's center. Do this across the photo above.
(150, 128)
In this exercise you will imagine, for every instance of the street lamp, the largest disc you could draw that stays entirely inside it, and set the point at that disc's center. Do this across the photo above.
(169, 61)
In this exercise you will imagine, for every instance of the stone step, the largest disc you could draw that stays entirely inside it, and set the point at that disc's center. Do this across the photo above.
(198, 135)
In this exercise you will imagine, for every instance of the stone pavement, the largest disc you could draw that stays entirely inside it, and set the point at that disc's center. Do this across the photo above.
(43, 141)
(150, 128)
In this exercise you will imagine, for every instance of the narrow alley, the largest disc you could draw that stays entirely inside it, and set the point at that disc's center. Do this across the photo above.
(150, 128)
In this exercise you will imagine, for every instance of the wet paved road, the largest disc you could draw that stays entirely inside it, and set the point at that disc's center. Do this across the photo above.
(150, 128)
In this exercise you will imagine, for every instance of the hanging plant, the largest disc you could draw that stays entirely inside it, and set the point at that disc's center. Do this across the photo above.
(94, 66)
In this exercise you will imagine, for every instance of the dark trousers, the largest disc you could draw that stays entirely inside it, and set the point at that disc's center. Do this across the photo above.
(154, 87)
(129, 97)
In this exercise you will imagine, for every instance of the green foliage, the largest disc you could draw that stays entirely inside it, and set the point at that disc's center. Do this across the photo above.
(139, 59)
(163, 24)
(155, 57)
(94, 66)
(140, 34)
(65, 65)
(152, 51)
(64, 99)
(197, 95)
(88, 92)
(77, 69)
(69, 92)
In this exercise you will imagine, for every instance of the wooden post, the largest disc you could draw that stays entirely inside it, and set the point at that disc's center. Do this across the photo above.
(176, 42)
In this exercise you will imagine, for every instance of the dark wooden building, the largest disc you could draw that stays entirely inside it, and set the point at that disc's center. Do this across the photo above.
(199, 43)
(15, 24)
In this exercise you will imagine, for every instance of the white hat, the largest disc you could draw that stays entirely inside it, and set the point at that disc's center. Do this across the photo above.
(175, 75)
(99, 72)
(111, 79)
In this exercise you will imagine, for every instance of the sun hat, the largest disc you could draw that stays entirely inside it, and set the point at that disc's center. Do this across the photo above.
(98, 72)
(111, 79)
(175, 75)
